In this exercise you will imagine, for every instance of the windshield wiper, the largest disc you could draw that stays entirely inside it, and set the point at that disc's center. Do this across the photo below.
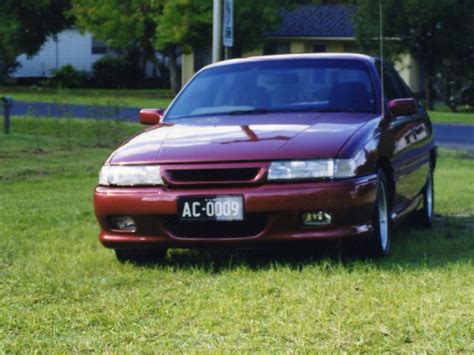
(223, 113)
(302, 109)
(248, 112)
(324, 110)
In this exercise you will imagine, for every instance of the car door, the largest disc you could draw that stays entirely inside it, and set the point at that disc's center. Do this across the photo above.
(409, 134)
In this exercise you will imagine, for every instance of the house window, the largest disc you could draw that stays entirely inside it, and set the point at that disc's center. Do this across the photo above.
(319, 48)
(276, 48)
(98, 46)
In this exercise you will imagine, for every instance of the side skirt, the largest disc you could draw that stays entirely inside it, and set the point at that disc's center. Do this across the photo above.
(401, 212)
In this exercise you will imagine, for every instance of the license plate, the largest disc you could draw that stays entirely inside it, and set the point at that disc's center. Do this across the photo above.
(213, 208)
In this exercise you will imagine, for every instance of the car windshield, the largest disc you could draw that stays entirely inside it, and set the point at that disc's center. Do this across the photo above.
(259, 87)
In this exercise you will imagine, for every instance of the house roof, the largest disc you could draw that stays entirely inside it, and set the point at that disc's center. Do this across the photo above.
(317, 21)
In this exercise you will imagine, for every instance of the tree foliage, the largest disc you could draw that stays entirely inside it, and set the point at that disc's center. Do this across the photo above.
(26, 24)
(439, 34)
(122, 25)
(184, 23)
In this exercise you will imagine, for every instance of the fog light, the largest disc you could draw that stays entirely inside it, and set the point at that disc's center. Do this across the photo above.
(124, 223)
(316, 218)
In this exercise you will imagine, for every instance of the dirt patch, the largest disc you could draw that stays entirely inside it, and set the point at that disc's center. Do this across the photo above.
(35, 151)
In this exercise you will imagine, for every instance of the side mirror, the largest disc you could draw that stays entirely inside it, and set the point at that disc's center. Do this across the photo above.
(151, 116)
(403, 107)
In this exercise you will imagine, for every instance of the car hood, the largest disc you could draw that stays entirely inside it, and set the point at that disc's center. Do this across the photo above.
(244, 138)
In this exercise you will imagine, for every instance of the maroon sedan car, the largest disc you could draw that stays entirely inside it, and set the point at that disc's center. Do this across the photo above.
(273, 151)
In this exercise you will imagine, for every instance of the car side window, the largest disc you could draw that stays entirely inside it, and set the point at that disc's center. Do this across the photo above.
(402, 87)
(390, 87)
(391, 90)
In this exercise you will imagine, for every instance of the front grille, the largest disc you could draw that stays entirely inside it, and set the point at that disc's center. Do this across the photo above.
(213, 175)
(251, 226)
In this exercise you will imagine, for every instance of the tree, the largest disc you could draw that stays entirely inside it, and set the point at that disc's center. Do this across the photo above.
(126, 26)
(25, 25)
(437, 33)
(454, 80)
(182, 26)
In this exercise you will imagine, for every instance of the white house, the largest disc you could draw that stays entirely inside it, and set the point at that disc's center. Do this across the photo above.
(68, 47)
(81, 50)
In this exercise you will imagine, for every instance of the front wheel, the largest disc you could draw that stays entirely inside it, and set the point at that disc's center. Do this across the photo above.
(379, 243)
(141, 256)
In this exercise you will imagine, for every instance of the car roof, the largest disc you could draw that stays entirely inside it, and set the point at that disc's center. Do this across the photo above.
(267, 58)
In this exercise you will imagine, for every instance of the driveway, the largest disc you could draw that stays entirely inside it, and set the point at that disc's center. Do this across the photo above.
(449, 135)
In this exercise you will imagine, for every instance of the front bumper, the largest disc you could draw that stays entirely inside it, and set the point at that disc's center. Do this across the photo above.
(273, 210)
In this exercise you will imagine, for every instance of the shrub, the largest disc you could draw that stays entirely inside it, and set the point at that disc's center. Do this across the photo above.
(116, 72)
(69, 77)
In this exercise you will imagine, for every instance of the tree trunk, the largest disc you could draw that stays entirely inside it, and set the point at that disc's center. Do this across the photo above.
(154, 60)
(174, 74)
(443, 88)
(448, 97)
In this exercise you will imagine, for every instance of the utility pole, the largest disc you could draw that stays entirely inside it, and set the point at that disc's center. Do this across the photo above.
(217, 31)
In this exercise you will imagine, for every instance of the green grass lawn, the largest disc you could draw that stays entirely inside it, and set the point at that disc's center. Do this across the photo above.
(149, 98)
(449, 117)
(62, 292)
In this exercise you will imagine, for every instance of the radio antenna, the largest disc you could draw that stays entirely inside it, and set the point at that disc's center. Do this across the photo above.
(382, 101)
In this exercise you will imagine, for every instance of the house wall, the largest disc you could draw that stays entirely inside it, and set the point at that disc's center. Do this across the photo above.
(71, 47)
(335, 47)
(297, 47)
(254, 53)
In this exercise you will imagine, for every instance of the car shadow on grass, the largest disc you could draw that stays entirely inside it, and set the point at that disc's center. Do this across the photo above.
(450, 240)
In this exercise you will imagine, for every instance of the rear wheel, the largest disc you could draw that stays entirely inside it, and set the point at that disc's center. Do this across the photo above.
(141, 256)
(379, 243)
(424, 217)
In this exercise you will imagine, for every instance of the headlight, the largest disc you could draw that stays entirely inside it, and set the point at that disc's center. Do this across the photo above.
(130, 175)
(312, 169)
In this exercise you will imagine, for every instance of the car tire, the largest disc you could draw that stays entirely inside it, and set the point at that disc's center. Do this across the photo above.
(141, 256)
(379, 243)
(424, 216)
